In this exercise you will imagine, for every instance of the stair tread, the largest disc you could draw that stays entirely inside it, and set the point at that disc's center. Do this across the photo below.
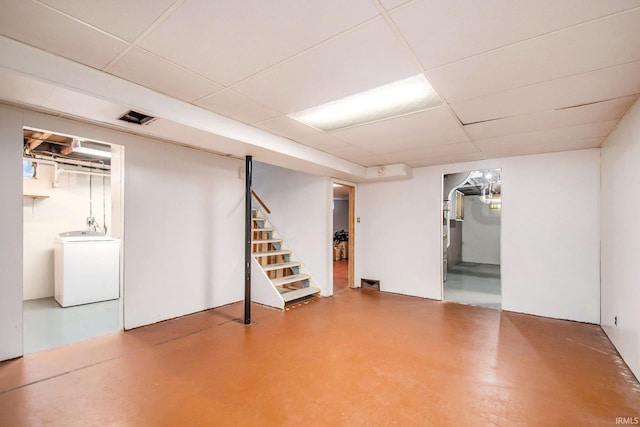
(265, 230)
(299, 293)
(272, 267)
(290, 279)
(258, 218)
(270, 253)
(266, 241)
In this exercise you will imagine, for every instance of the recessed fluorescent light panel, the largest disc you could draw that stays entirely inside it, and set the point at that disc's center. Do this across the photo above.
(384, 102)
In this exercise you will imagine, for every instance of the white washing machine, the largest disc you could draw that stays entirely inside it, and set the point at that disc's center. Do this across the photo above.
(87, 268)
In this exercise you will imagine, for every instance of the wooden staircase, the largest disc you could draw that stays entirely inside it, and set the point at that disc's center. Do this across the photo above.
(284, 274)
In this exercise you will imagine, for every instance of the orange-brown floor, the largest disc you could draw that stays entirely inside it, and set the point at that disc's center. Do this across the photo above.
(359, 358)
(340, 275)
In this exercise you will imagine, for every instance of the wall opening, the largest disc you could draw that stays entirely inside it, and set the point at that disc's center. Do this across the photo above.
(343, 203)
(72, 235)
(471, 222)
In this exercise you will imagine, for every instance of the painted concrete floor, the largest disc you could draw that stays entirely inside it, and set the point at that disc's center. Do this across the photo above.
(359, 358)
(47, 325)
(474, 284)
(340, 275)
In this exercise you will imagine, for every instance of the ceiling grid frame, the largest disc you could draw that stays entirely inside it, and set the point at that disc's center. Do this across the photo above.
(532, 118)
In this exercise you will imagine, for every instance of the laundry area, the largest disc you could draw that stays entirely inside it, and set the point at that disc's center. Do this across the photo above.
(71, 267)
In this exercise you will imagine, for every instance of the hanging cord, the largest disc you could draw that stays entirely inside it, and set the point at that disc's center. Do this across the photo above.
(104, 205)
(91, 221)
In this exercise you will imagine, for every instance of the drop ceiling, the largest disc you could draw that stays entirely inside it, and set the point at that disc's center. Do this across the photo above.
(515, 77)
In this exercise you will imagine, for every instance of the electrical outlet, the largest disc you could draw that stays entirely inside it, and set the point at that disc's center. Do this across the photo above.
(358, 220)
(615, 320)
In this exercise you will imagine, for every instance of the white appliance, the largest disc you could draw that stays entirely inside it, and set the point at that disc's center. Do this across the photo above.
(87, 268)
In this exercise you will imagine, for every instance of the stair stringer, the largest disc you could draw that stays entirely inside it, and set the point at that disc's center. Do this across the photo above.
(262, 290)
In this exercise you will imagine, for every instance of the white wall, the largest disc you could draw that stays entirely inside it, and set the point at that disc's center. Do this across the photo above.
(621, 238)
(184, 231)
(66, 209)
(300, 207)
(396, 244)
(480, 232)
(10, 233)
(550, 237)
(340, 215)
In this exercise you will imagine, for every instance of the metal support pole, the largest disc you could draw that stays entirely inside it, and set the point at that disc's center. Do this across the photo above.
(247, 237)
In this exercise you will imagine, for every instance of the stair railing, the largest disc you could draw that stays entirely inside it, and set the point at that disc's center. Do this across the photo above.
(259, 200)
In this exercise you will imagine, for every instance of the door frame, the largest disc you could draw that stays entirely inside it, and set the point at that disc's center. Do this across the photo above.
(351, 282)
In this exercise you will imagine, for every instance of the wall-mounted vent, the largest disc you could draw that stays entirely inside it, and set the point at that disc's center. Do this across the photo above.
(136, 118)
(370, 283)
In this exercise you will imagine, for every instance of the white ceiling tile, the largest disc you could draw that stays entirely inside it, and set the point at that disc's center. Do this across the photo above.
(241, 40)
(599, 85)
(12, 86)
(38, 26)
(81, 105)
(322, 141)
(547, 138)
(599, 112)
(236, 106)
(37, 92)
(284, 56)
(549, 147)
(348, 151)
(392, 4)
(368, 161)
(17, 88)
(443, 31)
(362, 59)
(160, 75)
(195, 137)
(607, 42)
(445, 159)
(435, 152)
(287, 127)
(296, 131)
(123, 18)
(411, 132)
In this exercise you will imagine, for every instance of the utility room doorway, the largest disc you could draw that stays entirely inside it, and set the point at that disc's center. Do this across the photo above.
(72, 233)
(471, 222)
(343, 236)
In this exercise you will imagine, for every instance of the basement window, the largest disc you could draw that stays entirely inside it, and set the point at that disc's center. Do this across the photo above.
(136, 118)
(29, 169)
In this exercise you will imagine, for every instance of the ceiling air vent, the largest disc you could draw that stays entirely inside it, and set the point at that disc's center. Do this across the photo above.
(136, 118)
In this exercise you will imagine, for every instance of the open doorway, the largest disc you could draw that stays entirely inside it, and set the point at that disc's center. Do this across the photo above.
(471, 222)
(71, 239)
(343, 236)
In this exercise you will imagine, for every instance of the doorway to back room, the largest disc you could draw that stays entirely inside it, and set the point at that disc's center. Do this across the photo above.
(72, 235)
(471, 222)
(343, 236)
